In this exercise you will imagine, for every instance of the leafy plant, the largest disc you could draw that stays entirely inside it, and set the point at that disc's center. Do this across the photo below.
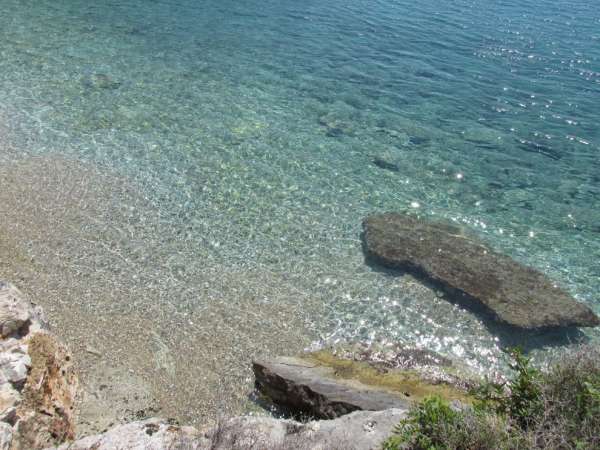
(557, 409)
(421, 429)
(520, 398)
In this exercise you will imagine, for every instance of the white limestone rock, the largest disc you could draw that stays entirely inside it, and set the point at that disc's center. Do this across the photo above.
(5, 436)
(151, 434)
(361, 430)
(17, 315)
(9, 400)
(14, 365)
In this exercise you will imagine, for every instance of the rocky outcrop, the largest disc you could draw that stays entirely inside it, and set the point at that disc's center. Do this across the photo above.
(46, 414)
(37, 380)
(328, 384)
(309, 388)
(472, 272)
(360, 430)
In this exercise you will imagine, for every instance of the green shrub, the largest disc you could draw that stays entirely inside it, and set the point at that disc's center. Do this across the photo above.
(571, 396)
(425, 425)
(434, 425)
(523, 402)
(558, 409)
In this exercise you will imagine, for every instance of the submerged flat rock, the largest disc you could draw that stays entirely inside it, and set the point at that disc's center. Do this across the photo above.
(518, 295)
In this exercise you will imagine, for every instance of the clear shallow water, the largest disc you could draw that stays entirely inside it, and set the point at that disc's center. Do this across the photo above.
(251, 129)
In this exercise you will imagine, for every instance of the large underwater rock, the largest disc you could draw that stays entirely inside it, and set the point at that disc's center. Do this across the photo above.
(464, 265)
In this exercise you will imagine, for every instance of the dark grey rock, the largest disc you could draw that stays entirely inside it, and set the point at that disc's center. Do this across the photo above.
(384, 164)
(335, 126)
(536, 147)
(307, 388)
(516, 294)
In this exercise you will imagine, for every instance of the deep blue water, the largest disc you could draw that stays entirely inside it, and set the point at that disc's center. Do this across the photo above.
(253, 127)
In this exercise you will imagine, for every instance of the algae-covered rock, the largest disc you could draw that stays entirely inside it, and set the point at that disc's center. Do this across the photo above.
(517, 295)
(326, 385)
(403, 362)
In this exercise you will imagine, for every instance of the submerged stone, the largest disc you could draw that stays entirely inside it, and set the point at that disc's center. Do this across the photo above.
(517, 295)
(385, 164)
(335, 126)
(100, 81)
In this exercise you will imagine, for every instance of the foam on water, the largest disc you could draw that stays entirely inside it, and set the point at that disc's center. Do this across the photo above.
(247, 132)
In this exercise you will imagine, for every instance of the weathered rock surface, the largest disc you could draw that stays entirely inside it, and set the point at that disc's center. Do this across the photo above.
(310, 388)
(46, 414)
(151, 434)
(37, 381)
(361, 430)
(18, 316)
(464, 265)
(5, 436)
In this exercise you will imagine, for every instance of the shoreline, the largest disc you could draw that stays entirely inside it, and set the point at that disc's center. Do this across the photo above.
(350, 398)
(97, 254)
(41, 403)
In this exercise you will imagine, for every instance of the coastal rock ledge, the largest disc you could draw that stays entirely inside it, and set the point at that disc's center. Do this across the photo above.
(336, 381)
(474, 273)
(308, 387)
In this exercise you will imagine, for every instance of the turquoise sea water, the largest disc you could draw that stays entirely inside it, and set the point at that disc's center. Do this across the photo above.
(253, 128)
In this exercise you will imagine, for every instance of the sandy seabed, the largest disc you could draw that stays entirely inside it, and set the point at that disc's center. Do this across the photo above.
(91, 250)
